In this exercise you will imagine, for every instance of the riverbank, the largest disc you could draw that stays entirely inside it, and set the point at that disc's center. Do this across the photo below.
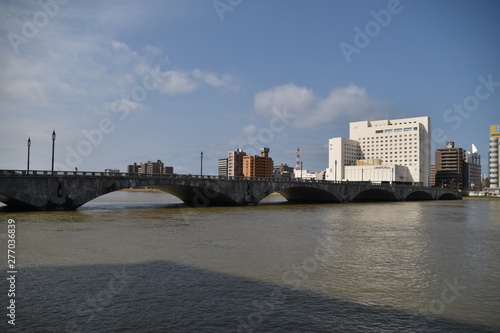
(483, 197)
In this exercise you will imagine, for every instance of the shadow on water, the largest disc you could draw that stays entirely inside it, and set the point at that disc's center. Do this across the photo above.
(163, 296)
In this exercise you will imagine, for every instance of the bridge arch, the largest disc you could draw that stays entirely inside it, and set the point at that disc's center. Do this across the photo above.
(419, 195)
(197, 196)
(374, 195)
(307, 194)
(448, 196)
(16, 204)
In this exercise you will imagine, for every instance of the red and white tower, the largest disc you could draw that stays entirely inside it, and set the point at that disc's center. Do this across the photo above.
(297, 159)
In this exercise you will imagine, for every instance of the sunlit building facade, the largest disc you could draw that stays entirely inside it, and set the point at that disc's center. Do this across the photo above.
(400, 147)
(258, 166)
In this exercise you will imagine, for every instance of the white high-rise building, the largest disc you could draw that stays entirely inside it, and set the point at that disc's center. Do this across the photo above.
(383, 150)
(493, 158)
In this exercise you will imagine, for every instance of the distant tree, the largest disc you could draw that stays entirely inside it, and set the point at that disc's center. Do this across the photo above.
(487, 182)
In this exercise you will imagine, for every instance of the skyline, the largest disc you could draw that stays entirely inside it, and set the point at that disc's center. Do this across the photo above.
(123, 82)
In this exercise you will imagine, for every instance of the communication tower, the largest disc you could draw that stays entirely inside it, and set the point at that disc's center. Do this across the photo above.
(297, 159)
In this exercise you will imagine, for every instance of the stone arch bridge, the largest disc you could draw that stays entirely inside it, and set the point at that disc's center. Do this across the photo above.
(64, 190)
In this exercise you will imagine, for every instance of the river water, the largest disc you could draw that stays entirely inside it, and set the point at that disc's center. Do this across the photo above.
(139, 262)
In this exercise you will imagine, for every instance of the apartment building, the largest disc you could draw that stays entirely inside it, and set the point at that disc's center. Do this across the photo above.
(258, 166)
(223, 171)
(450, 166)
(235, 163)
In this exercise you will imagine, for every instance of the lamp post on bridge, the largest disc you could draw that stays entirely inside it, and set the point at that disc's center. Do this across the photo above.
(201, 163)
(29, 147)
(335, 170)
(301, 164)
(53, 146)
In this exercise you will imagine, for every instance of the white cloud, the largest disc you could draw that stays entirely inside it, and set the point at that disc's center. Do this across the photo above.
(297, 100)
(180, 82)
(175, 82)
(224, 82)
(119, 45)
(346, 103)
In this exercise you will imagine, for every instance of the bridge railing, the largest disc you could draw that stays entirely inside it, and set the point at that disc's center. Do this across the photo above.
(46, 173)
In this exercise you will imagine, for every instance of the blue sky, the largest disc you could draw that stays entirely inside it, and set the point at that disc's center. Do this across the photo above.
(130, 81)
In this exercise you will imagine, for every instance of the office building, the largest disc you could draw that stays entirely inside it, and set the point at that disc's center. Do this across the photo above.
(473, 169)
(258, 166)
(395, 150)
(450, 166)
(493, 157)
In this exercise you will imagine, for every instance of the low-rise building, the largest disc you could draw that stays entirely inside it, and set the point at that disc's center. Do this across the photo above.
(150, 168)
(283, 171)
(305, 174)
(112, 172)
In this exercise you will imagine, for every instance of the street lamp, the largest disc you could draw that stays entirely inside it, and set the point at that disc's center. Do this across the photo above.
(201, 163)
(335, 170)
(29, 146)
(301, 163)
(53, 145)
